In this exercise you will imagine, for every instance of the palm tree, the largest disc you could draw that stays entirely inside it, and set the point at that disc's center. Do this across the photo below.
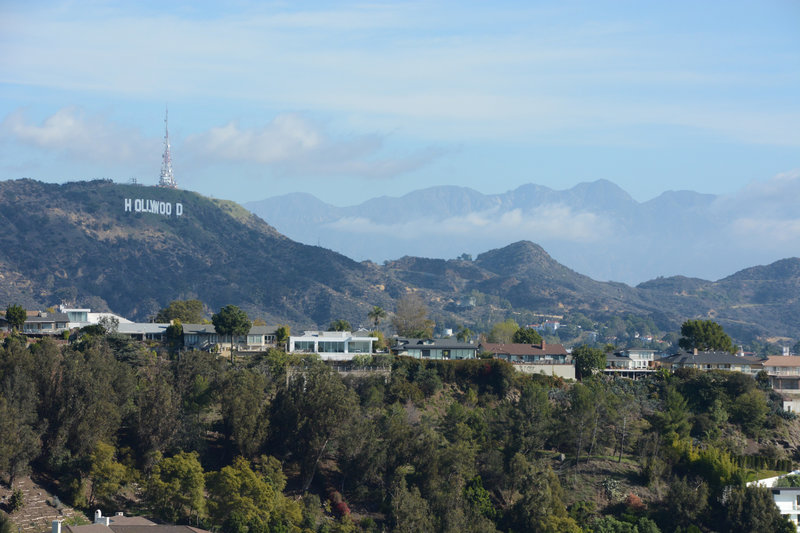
(376, 315)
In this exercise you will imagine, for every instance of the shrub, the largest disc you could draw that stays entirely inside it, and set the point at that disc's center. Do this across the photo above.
(17, 501)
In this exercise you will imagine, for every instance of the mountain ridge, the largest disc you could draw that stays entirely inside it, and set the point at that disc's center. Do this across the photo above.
(594, 227)
(76, 242)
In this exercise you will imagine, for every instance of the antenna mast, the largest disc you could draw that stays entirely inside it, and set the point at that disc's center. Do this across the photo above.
(167, 179)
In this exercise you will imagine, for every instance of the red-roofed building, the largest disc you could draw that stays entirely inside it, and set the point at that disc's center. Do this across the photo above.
(549, 359)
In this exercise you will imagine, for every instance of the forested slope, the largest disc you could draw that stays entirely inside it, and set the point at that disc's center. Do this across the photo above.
(278, 443)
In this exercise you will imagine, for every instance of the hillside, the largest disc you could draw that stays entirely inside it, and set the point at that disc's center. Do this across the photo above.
(76, 242)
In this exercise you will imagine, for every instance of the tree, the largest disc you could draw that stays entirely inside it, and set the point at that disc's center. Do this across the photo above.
(526, 336)
(175, 489)
(705, 335)
(282, 335)
(687, 501)
(245, 410)
(309, 416)
(340, 325)
(6, 525)
(231, 321)
(174, 335)
(410, 512)
(753, 509)
(672, 421)
(376, 315)
(464, 334)
(587, 360)
(187, 311)
(410, 318)
(105, 473)
(241, 499)
(110, 324)
(16, 316)
(503, 332)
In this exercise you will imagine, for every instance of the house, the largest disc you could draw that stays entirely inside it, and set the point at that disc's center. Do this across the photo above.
(143, 331)
(331, 345)
(784, 372)
(631, 363)
(784, 377)
(39, 323)
(79, 318)
(205, 337)
(712, 361)
(786, 498)
(548, 326)
(544, 358)
(440, 349)
(120, 523)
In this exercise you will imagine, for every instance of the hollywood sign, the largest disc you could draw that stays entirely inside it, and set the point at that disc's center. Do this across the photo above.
(141, 205)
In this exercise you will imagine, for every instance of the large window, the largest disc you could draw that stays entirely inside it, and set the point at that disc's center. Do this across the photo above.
(331, 346)
(359, 347)
(303, 346)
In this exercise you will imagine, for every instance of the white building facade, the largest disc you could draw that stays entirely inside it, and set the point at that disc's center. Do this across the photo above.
(331, 345)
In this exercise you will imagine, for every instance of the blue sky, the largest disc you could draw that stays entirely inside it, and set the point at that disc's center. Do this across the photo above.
(354, 100)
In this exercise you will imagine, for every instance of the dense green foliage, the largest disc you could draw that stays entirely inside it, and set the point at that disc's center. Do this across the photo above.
(231, 321)
(16, 316)
(588, 360)
(340, 325)
(277, 442)
(187, 311)
(526, 336)
(705, 336)
(410, 318)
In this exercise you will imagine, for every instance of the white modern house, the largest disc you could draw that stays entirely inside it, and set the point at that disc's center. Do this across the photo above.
(331, 345)
(786, 498)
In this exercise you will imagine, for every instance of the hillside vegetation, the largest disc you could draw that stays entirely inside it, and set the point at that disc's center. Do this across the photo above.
(276, 443)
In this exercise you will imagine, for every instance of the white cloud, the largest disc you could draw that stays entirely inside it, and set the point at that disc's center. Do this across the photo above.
(763, 215)
(294, 145)
(545, 223)
(439, 71)
(764, 199)
(71, 132)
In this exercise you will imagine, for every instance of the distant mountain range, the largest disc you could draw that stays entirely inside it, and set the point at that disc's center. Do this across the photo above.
(113, 246)
(595, 228)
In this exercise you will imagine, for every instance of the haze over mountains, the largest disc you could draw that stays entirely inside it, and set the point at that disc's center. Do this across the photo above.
(81, 243)
(595, 228)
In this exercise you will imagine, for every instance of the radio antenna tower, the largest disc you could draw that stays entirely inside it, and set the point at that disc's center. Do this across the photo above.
(167, 179)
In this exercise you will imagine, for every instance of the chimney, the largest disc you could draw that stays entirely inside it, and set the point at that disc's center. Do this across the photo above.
(543, 344)
(695, 351)
(56, 526)
(100, 519)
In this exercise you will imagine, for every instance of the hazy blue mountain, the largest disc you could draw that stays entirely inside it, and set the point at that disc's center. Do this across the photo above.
(596, 228)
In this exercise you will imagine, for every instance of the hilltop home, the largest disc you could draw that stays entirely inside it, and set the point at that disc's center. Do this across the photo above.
(205, 337)
(784, 377)
(331, 345)
(40, 323)
(120, 523)
(786, 498)
(631, 363)
(548, 359)
(442, 349)
(143, 331)
(712, 361)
